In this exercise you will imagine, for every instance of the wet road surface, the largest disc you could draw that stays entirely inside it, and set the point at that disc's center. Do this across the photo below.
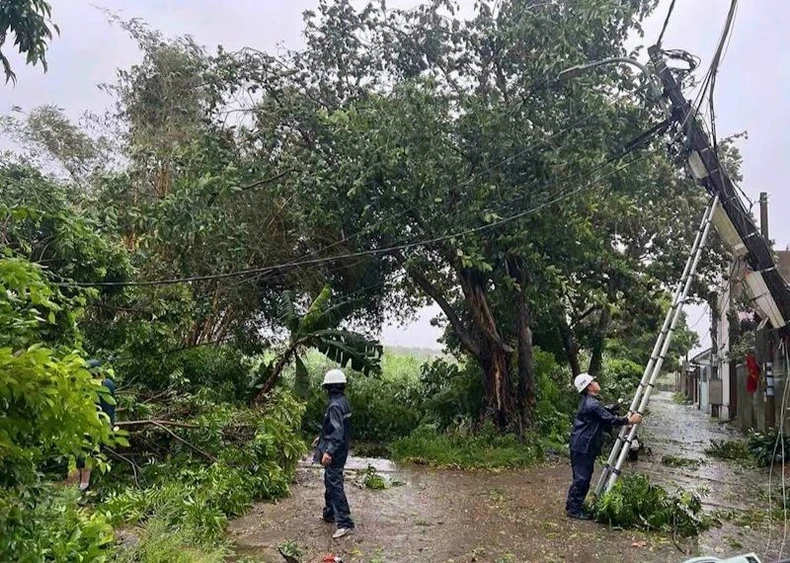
(512, 516)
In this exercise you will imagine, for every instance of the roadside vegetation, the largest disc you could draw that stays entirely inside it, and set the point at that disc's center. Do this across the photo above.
(218, 252)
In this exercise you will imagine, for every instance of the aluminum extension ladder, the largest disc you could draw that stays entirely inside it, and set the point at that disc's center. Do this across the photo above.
(642, 396)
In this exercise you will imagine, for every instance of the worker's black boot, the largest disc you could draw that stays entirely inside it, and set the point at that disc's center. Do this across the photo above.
(579, 516)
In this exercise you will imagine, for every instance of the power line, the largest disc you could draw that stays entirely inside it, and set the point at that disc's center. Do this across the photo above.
(629, 147)
(705, 312)
(372, 252)
(715, 63)
(721, 50)
(475, 176)
(300, 262)
(666, 22)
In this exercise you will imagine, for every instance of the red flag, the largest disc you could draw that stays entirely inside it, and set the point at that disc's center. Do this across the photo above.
(753, 377)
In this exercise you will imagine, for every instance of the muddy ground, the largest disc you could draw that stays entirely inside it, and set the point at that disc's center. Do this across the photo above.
(517, 516)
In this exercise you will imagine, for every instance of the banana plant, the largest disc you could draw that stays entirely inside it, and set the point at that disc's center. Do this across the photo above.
(317, 328)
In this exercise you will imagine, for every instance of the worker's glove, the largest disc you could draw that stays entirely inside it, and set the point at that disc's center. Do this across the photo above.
(634, 419)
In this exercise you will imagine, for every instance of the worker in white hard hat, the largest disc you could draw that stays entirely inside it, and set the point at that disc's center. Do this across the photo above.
(586, 437)
(332, 452)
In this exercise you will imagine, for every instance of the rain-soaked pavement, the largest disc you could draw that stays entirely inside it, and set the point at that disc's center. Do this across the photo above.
(671, 429)
(514, 516)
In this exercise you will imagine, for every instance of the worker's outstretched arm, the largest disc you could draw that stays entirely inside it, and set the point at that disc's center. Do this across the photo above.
(606, 417)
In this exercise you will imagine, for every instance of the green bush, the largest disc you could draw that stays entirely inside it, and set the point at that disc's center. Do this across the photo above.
(49, 415)
(384, 407)
(451, 393)
(444, 395)
(635, 502)
(765, 448)
(383, 410)
(48, 396)
(730, 450)
(254, 451)
(44, 523)
(557, 400)
(620, 378)
(462, 448)
(223, 369)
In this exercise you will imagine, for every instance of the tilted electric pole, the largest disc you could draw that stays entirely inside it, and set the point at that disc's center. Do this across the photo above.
(766, 285)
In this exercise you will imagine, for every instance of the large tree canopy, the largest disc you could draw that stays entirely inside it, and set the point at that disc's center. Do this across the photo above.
(401, 158)
(446, 147)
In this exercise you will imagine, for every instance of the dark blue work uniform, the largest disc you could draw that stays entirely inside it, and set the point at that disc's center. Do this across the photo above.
(334, 440)
(586, 439)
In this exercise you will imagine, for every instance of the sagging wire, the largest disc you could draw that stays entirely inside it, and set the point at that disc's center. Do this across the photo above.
(666, 22)
(406, 245)
(705, 312)
(715, 64)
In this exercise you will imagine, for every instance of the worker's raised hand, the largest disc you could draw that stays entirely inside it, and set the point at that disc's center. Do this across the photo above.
(634, 419)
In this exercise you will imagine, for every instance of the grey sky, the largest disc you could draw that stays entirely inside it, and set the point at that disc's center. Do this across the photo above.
(751, 93)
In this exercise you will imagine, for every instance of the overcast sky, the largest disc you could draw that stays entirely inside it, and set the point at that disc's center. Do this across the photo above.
(752, 90)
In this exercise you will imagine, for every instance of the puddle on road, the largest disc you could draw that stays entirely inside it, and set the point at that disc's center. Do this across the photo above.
(357, 464)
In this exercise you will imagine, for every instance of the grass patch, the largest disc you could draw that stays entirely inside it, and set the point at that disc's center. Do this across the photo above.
(676, 461)
(679, 398)
(729, 450)
(744, 518)
(487, 449)
(160, 542)
(371, 479)
(636, 503)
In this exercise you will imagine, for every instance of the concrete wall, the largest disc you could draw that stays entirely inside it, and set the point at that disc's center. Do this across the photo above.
(704, 395)
(751, 406)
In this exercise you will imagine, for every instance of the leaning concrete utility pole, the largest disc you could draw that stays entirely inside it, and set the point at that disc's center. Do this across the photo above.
(736, 226)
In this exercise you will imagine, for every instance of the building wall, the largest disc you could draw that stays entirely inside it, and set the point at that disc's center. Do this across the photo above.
(751, 406)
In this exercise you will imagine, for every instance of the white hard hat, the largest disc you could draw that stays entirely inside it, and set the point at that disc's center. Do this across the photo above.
(582, 381)
(334, 376)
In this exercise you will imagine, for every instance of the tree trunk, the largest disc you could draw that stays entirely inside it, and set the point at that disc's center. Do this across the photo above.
(569, 345)
(599, 343)
(501, 393)
(481, 340)
(274, 375)
(526, 393)
(499, 403)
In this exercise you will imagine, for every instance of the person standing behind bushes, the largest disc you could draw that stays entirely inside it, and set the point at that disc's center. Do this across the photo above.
(82, 473)
(331, 450)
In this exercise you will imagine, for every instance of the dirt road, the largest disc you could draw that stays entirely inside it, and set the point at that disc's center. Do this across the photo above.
(509, 516)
